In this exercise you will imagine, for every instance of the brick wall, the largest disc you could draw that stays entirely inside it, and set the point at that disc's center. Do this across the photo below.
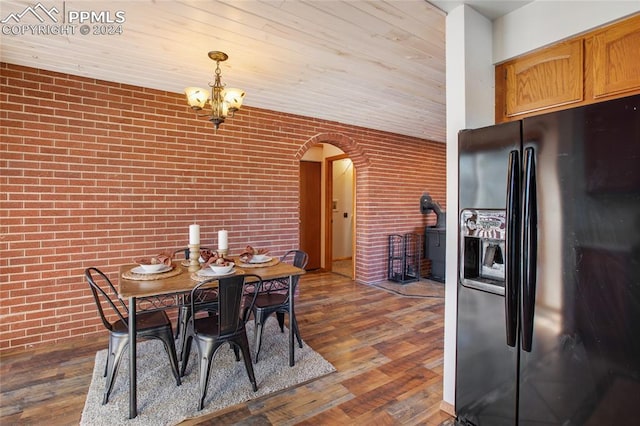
(96, 173)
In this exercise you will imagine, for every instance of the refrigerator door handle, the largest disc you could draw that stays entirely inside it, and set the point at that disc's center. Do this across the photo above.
(529, 248)
(512, 249)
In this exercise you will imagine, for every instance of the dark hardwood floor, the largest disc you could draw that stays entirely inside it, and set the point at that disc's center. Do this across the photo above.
(387, 350)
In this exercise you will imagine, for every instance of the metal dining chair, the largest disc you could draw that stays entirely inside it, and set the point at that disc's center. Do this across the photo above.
(212, 331)
(273, 297)
(184, 310)
(183, 252)
(150, 325)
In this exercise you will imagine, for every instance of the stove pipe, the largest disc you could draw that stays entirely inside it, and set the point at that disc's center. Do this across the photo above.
(427, 204)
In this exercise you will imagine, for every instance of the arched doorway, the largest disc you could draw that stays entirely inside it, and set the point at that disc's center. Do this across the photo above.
(333, 144)
(327, 206)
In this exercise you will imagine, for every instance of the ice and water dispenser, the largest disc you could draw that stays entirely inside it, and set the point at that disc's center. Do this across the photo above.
(482, 248)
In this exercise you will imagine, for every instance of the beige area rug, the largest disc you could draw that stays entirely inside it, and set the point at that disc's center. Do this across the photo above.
(421, 288)
(161, 402)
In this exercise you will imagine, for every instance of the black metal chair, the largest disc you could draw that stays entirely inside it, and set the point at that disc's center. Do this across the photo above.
(149, 325)
(273, 297)
(184, 251)
(184, 311)
(211, 331)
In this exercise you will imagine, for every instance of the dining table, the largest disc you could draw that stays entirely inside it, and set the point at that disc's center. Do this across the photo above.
(164, 291)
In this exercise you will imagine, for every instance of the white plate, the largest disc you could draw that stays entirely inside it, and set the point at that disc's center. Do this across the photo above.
(265, 260)
(141, 270)
(208, 272)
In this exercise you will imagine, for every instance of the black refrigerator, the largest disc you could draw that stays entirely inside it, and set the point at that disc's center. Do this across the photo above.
(548, 315)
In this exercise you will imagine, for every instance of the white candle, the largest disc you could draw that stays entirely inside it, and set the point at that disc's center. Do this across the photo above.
(223, 240)
(194, 234)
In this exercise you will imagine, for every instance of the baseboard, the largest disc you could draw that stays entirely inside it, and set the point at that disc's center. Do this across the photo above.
(448, 408)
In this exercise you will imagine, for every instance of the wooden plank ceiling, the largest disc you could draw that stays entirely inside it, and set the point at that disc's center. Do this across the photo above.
(377, 64)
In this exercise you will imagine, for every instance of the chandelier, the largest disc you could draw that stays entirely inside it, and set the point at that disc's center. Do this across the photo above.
(219, 102)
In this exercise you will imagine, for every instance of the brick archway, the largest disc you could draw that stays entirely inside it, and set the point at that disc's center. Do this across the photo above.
(345, 143)
(361, 164)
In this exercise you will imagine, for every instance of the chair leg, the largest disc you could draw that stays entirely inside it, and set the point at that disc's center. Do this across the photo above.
(178, 324)
(183, 333)
(170, 347)
(117, 344)
(181, 326)
(246, 356)
(257, 334)
(280, 316)
(206, 350)
(186, 351)
(204, 380)
(296, 330)
(106, 363)
(236, 351)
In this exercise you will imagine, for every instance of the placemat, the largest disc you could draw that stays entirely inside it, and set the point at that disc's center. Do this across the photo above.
(273, 261)
(177, 270)
(196, 277)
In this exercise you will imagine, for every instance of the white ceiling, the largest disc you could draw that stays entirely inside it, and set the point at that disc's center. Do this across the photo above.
(377, 64)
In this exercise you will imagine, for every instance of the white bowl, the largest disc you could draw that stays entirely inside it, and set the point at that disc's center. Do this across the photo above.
(152, 267)
(259, 258)
(222, 269)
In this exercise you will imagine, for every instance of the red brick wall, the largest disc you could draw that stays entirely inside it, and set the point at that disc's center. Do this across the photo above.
(95, 173)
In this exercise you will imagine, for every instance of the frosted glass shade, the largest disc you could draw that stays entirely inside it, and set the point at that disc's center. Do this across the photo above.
(234, 98)
(197, 97)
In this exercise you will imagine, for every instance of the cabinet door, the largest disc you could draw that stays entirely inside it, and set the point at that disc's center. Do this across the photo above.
(549, 78)
(616, 63)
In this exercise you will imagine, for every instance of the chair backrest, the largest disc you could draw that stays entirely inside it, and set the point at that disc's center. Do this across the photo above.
(185, 252)
(230, 300)
(300, 259)
(105, 295)
(297, 258)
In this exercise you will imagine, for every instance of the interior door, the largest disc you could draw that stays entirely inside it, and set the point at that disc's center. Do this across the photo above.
(310, 211)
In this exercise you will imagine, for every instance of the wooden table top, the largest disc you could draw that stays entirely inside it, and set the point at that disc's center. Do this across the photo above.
(183, 283)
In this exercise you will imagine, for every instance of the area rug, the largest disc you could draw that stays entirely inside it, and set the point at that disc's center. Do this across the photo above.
(421, 288)
(161, 402)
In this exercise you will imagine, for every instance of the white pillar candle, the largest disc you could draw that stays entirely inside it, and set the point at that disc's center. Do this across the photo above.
(223, 240)
(194, 234)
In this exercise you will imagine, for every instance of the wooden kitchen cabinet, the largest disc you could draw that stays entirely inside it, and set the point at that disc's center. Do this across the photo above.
(597, 66)
(544, 79)
(616, 58)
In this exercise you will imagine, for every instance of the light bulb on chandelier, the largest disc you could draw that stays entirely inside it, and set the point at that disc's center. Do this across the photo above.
(219, 102)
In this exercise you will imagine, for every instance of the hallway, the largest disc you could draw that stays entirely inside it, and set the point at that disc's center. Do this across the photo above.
(343, 267)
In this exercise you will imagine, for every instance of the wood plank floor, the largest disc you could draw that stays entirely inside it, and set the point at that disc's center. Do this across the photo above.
(387, 350)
